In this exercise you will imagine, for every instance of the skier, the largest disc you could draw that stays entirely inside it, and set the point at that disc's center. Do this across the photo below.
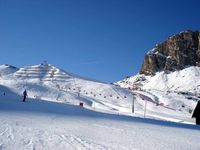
(25, 95)
(196, 113)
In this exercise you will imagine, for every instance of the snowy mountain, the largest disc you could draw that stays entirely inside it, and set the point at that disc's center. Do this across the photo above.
(47, 82)
(175, 53)
(178, 90)
(170, 74)
(7, 69)
(151, 110)
(47, 125)
(51, 118)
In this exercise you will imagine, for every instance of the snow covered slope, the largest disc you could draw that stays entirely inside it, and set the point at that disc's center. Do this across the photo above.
(45, 125)
(184, 80)
(7, 69)
(51, 118)
(47, 82)
(178, 90)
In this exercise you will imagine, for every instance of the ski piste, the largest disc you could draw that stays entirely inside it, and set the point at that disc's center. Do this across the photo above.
(47, 82)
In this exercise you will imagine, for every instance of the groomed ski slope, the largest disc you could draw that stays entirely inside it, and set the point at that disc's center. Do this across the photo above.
(46, 82)
(44, 125)
(178, 90)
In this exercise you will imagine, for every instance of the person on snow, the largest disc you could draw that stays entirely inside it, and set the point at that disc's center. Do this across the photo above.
(25, 95)
(196, 113)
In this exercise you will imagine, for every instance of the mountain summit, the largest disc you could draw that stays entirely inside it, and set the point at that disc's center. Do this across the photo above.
(177, 52)
(170, 73)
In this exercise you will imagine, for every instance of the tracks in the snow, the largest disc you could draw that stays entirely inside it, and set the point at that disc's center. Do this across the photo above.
(78, 142)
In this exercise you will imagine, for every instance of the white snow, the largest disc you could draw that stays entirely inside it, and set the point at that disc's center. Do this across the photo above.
(185, 80)
(52, 118)
(6, 69)
(178, 90)
(47, 82)
(44, 125)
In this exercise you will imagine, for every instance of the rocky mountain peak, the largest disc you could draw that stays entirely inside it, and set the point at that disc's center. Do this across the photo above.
(175, 53)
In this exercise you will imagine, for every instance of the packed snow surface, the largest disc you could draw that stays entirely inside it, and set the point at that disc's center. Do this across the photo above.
(178, 90)
(51, 118)
(48, 82)
(44, 125)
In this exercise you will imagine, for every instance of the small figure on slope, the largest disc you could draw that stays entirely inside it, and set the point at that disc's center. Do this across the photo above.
(25, 95)
(196, 113)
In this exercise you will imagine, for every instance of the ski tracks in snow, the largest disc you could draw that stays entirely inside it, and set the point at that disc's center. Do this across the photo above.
(80, 143)
(43, 140)
(6, 132)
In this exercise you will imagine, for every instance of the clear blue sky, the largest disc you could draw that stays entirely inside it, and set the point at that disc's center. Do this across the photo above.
(101, 39)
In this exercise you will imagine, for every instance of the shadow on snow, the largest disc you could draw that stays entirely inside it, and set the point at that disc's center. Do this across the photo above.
(12, 102)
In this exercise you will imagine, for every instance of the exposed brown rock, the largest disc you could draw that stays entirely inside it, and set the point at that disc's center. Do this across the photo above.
(177, 52)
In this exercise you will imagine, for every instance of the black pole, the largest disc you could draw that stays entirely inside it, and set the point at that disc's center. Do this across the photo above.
(133, 104)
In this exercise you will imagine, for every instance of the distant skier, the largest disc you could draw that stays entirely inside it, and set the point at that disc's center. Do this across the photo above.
(25, 95)
(196, 113)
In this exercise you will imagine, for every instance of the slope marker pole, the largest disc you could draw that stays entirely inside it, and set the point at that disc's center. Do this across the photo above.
(145, 108)
(133, 104)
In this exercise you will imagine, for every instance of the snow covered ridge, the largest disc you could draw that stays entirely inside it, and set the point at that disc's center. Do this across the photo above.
(170, 73)
(47, 82)
(179, 90)
(51, 117)
(6, 69)
(44, 125)
(186, 80)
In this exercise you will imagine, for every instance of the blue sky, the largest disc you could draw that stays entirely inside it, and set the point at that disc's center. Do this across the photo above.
(100, 39)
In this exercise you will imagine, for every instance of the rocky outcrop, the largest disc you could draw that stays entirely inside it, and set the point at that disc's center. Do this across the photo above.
(176, 53)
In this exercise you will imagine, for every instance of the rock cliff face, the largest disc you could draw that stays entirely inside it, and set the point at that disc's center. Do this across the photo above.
(176, 53)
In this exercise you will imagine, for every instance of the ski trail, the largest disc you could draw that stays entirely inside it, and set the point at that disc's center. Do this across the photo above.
(82, 143)
(4, 131)
(67, 139)
(78, 142)
(8, 132)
